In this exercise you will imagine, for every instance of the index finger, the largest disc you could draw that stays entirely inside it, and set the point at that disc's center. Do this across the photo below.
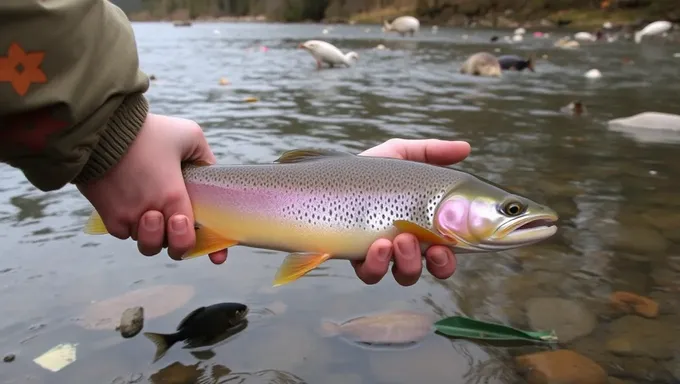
(434, 151)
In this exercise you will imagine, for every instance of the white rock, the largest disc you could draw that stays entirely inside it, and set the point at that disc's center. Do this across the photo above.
(593, 74)
(586, 36)
(650, 120)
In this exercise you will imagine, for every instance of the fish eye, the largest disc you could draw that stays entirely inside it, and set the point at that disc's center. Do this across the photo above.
(513, 208)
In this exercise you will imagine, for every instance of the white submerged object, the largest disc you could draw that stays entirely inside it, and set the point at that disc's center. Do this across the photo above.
(586, 36)
(517, 38)
(402, 25)
(58, 357)
(593, 74)
(649, 127)
(324, 52)
(520, 31)
(649, 120)
(655, 28)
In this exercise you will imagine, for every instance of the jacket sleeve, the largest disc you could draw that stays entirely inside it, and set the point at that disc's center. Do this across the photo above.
(71, 92)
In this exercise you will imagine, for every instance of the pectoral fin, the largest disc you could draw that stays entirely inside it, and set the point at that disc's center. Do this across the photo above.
(423, 234)
(297, 265)
(95, 225)
(208, 241)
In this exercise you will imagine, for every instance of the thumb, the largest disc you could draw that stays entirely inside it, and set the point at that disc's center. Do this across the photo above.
(194, 145)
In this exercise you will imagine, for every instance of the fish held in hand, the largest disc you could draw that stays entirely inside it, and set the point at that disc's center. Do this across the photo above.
(320, 205)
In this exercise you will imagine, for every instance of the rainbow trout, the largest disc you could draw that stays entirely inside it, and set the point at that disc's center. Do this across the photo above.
(320, 205)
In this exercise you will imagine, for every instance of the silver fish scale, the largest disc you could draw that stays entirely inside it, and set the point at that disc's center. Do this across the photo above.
(343, 192)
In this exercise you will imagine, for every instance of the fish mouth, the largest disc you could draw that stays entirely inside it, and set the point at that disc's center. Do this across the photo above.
(245, 313)
(302, 46)
(526, 230)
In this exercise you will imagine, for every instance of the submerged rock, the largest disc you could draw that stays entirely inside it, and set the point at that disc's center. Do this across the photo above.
(638, 239)
(131, 322)
(637, 336)
(570, 320)
(562, 366)
(638, 369)
(669, 302)
(631, 303)
(157, 301)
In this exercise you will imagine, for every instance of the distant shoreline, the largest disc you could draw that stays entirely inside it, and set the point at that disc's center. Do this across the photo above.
(570, 19)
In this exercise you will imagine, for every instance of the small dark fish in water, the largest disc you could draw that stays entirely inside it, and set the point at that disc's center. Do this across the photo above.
(494, 38)
(400, 327)
(513, 62)
(203, 327)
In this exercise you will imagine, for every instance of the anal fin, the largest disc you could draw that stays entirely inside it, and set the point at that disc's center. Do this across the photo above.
(208, 241)
(423, 234)
(296, 265)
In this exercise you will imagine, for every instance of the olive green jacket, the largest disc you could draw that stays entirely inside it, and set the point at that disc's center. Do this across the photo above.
(71, 92)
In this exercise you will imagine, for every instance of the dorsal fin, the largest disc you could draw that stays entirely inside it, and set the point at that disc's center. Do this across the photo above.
(189, 317)
(300, 155)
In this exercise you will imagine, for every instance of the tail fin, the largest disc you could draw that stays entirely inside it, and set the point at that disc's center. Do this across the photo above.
(638, 37)
(329, 329)
(162, 342)
(530, 62)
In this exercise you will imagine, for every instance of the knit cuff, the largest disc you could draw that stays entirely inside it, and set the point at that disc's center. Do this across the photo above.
(121, 129)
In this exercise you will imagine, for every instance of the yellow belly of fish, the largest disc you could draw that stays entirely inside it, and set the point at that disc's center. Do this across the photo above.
(310, 246)
(281, 235)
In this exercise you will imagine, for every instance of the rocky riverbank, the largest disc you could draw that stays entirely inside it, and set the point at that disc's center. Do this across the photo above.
(442, 13)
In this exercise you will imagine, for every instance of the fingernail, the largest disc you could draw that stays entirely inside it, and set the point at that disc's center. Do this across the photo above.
(410, 250)
(179, 224)
(439, 258)
(384, 254)
(152, 222)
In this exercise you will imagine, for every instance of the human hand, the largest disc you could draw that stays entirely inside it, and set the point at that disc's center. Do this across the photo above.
(407, 268)
(144, 195)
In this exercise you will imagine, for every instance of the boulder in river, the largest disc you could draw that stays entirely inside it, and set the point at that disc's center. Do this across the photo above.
(569, 319)
(637, 336)
(629, 302)
(562, 366)
(131, 322)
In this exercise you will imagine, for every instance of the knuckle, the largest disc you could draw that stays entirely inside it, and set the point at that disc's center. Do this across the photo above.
(174, 197)
(195, 130)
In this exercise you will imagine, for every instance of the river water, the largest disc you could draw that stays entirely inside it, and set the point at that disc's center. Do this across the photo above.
(616, 194)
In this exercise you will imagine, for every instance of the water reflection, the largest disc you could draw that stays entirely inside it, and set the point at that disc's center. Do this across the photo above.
(178, 373)
(616, 196)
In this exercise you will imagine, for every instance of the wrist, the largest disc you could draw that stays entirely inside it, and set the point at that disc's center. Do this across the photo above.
(120, 131)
